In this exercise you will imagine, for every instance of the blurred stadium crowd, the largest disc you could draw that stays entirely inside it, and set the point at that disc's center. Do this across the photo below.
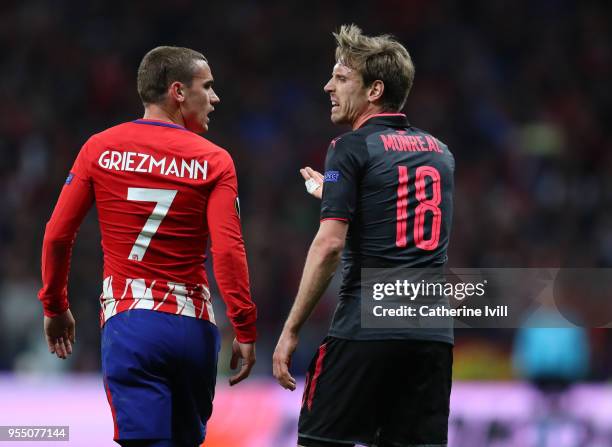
(520, 91)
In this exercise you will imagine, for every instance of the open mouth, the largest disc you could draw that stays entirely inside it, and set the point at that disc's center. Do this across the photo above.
(335, 105)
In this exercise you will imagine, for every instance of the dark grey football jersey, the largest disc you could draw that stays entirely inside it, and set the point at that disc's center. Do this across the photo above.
(393, 184)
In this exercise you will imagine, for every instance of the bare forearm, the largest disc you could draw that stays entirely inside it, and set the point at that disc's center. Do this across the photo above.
(321, 264)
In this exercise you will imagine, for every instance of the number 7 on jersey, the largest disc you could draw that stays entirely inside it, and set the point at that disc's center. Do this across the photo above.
(163, 199)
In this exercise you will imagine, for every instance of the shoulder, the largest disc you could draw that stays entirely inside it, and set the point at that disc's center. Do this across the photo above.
(106, 136)
(348, 150)
(351, 144)
(348, 139)
(429, 135)
(114, 131)
(209, 145)
(220, 161)
(203, 146)
(103, 139)
(213, 151)
(440, 146)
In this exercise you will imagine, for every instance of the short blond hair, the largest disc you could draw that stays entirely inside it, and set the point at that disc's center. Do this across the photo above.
(377, 58)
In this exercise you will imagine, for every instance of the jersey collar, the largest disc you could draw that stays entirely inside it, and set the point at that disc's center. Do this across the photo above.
(385, 119)
(158, 123)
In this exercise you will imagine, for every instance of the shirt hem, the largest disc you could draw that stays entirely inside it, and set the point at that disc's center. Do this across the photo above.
(338, 441)
(439, 338)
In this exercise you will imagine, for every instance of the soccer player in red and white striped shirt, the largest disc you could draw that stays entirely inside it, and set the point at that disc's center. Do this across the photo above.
(161, 192)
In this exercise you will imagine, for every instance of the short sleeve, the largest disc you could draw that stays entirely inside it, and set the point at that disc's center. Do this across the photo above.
(346, 158)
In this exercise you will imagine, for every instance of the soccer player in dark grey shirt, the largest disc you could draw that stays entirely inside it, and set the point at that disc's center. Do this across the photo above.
(386, 202)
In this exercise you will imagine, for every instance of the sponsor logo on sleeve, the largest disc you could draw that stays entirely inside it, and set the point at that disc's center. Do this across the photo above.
(69, 178)
(331, 176)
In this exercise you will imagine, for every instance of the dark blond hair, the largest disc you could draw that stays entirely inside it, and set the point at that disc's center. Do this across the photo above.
(377, 58)
(162, 66)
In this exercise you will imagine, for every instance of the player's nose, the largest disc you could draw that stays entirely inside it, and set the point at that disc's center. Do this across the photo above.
(214, 99)
(328, 87)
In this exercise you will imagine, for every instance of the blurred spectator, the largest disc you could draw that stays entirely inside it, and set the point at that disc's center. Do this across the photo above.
(552, 358)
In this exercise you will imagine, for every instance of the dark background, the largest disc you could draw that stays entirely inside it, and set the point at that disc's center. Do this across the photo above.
(519, 90)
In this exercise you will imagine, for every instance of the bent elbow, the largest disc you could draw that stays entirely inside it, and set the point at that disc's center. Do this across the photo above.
(331, 247)
(53, 238)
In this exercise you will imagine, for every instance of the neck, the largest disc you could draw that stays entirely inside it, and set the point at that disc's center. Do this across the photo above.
(369, 111)
(161, 112)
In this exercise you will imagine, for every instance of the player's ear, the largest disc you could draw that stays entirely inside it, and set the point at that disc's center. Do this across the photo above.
(376, 90)
(176, 91)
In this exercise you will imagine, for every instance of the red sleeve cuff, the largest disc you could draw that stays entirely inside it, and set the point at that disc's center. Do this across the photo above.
(54, 309)
(341, 219)
(246, 335)
(244, 325)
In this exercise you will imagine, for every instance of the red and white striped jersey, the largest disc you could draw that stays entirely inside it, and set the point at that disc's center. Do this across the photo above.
(161, 191)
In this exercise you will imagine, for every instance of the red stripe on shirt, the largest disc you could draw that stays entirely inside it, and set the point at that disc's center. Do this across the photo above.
(341, 219)
(317, 373)
(109, 397)
(306, 386)
(126, 298)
